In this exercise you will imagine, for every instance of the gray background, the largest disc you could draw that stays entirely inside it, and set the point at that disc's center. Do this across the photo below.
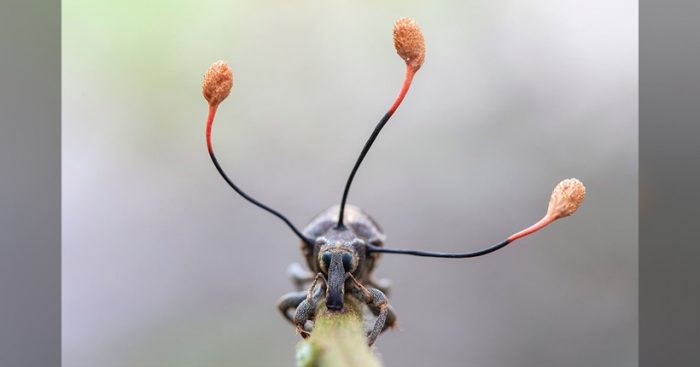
(165, 266)
(669, 292)
(30, 178)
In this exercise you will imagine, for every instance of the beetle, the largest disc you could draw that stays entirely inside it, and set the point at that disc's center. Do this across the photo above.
(340, 261)
(342, 244)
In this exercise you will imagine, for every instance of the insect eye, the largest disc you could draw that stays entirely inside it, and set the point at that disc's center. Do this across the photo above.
(326, 258)
(347, 261)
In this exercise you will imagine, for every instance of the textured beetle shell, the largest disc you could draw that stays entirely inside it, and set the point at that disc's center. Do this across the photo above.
(357, 220)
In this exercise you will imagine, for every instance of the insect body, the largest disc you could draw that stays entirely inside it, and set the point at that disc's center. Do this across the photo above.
(342, 244)
(340, 266)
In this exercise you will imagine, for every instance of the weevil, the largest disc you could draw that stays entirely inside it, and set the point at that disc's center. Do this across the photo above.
(342, 244)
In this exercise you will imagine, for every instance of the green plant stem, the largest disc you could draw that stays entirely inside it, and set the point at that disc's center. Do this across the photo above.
(338, 340)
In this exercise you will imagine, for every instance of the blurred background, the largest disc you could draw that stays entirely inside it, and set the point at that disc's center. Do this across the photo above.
(164, 265)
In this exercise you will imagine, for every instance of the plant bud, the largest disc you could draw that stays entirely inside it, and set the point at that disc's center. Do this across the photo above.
(566, 198)
(409, 42)
(217, 83)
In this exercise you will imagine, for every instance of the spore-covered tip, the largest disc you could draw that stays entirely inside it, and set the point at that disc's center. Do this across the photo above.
(217, 83)
(566, 198)
(409, 42)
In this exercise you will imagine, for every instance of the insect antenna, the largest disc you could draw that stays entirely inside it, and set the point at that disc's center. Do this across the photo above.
(216, 86)
(566, 198)
(410, 45)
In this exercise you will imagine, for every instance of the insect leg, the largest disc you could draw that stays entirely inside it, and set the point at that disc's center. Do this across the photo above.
(390, 316)
(306, 311)
(377, 302)
(390, 319)
(290, 301)
(382, 284)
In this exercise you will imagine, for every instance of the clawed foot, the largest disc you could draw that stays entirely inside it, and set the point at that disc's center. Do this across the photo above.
(303, 332)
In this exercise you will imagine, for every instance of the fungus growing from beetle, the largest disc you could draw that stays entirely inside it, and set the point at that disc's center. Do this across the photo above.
(357, 240)
(566, 198)
(410, 45)
(217, 84)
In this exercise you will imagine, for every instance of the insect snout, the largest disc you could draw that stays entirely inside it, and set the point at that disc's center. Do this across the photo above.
(336, 264)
